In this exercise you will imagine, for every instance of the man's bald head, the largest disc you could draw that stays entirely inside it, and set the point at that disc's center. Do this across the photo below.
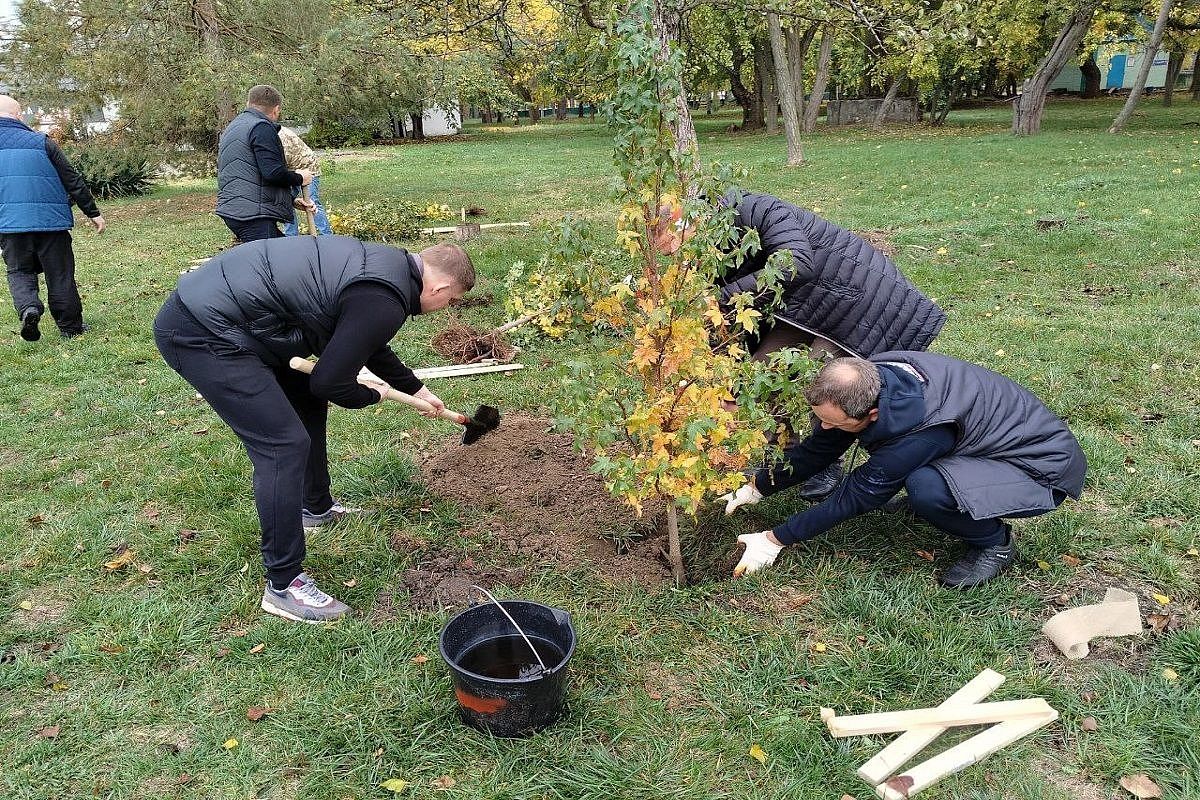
(9, 107)
(851, 384)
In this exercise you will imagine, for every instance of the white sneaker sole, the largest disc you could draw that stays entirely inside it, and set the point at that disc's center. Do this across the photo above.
(279, 612)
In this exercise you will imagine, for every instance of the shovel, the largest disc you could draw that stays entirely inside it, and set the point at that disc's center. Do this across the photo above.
(308, 213)
(485, 420)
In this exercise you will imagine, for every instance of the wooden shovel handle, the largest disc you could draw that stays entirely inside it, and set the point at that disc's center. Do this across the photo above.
(306, 366)
(312, 220)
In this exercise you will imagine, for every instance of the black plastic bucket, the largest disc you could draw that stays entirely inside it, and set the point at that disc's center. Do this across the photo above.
(500, 684)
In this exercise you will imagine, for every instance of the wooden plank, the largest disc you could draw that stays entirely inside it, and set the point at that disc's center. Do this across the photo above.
(949, 717)
(465, 369)
(913, 741)
(485, 226)
(963, 755)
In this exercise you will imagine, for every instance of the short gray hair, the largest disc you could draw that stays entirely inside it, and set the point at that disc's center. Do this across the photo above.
(851, 384)
(264, 96)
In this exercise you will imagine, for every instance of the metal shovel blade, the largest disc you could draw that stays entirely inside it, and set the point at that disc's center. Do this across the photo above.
(485, 420)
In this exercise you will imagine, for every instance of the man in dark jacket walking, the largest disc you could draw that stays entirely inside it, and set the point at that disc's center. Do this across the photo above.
(37, 186)
(840, 297)
(971, 447)
(254, 185)
(230, 329)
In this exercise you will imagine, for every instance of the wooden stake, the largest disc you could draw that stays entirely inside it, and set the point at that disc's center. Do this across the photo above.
(964, 754)
(892, 721)
(911, 742)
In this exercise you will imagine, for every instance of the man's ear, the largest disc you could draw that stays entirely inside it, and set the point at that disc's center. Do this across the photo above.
(873, 415)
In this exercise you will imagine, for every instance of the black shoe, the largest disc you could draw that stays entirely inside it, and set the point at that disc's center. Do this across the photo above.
(821, 485)
(30, 318)
(899, 504)
(980, 564)
(84, 328)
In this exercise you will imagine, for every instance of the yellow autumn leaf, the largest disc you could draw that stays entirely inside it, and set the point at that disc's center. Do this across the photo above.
(394, 785)
(230, 744)
(123, 560)
(941, 251)
(26, 605)
(1161, 598)
(758, 754)
(1170, 674)
(746, 318)
(819, 647)
(1193, 552)
(1043, 565)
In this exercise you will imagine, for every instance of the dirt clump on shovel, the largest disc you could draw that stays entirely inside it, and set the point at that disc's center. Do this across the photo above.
(464, 344)
(545, 507)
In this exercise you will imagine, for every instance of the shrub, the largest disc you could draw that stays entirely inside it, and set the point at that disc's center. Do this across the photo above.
(387, 222)
(325, 133)
(112, 169)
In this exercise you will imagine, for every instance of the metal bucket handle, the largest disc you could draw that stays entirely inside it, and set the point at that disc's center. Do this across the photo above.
(504, 611)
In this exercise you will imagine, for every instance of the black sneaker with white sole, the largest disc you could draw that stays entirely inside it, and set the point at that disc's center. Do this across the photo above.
(302, 601)
(980, 564)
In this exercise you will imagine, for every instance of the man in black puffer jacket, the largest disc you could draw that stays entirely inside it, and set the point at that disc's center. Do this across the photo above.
(841, 296)
(230, 329)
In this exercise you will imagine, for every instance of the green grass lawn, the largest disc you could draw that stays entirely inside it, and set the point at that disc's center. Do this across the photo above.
(147, 672)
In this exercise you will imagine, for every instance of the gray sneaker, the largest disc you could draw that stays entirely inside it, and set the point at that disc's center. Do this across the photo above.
(313, 521)
(302, 601)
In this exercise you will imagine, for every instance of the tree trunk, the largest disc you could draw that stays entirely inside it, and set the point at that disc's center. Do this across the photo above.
(888, 100)
(1196, 76)
(787, 91)
(797, 50)
(1139, 84)
(765, 72)
(1029, 105)
(676, 552)
(418, 126)
(560, 110)
(1174, 66)
(666, 24)
(535, 112)
(761, 73)
(1091, 77)
(812, 108)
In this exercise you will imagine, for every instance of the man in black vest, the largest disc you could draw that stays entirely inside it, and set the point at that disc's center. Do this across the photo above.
(254, 185)
(841, 296)
(230, 329)
(971, 447)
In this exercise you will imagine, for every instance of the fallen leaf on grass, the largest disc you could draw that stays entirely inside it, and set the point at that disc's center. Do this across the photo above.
(104, 484)
(847, 797)
(124, 559)
(1140, 786)
(186, 535)
(758, 754)
(49, 733)
(111, 649)
(900, 783)
(819, 647)
(394, 785)
(258, 648)
(183, 778)
(224, 651)
(55, 683)
(350, 584)
(1089, 696)
(1170, 674)
(421, 659)
(1070, 560)
(1161, 598)
(443, 783)
(230, 744)
(26, 605)
(1193, 552)
(1042, 565)
(1089, 724)
(1158, 622)
(255, 713)
(925, 554)
(36, 520)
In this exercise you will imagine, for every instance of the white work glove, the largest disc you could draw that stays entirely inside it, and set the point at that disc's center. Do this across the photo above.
(760, 552)
(748, 495)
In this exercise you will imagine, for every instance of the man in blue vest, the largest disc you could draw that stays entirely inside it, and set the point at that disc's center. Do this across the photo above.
(37, 186)
(254, 185)
(971, 447)
(230, 329)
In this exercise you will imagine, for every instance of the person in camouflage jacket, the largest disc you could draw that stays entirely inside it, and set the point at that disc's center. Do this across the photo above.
(299, 155)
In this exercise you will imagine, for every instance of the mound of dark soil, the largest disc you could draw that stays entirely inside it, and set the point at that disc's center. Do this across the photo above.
(544, 505)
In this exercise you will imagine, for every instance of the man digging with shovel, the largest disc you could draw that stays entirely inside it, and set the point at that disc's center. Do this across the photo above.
(230, 329)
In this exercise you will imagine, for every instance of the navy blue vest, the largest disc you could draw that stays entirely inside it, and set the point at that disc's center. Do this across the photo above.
(32, 196)
(278, 298)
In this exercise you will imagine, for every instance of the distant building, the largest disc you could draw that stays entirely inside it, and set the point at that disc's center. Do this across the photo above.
(1119, 63)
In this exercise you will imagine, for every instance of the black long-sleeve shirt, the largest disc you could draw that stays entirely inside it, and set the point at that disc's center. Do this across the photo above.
(866, 488)
(369, 314)
(72, 181)
(268, 152)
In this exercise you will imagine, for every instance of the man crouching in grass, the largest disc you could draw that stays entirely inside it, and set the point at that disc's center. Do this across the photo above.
(230, 329)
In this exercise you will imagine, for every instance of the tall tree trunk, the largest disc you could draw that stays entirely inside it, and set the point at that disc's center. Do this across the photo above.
(1091, 77)
(535, 112)
(1029, 105)
(418, 125)
(560, 110)
(1139, 84)
(812, 108)
(888, 100)
(766, 76)
(787, 91)
(666, 24)
(1196, 76)
(797, 51)
(760, 84)
(1174, 66)
(676, 551)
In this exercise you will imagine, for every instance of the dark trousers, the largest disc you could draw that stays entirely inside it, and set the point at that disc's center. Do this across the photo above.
(251, 230)
(280, 422)
(932, 501)
(47, 252)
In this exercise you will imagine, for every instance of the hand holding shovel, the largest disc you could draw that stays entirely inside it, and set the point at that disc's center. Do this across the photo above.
(485, 420)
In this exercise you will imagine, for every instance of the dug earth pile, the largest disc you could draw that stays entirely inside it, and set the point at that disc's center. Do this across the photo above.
(543, 507)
